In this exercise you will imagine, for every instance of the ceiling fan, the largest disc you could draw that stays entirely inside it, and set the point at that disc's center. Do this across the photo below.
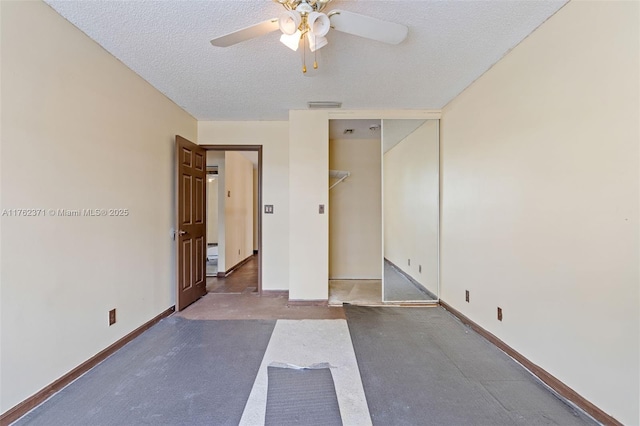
(304, 22)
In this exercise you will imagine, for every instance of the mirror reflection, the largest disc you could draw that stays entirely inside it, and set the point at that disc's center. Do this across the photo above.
(410, 188)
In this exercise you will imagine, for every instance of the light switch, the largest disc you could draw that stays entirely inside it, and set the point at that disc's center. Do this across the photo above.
(268, 208)
(321, 209)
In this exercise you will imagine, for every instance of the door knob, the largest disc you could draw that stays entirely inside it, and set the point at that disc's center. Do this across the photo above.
(181, 232)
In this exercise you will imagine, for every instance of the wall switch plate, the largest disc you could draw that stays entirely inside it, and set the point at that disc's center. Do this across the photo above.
(321, 209)
(466, 296)
(112, 316)
(499, 314)
(268, 209)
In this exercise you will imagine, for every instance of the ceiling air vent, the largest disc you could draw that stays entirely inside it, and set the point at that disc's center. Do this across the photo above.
(324, 104)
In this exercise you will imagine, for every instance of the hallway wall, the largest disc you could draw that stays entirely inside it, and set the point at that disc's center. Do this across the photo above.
(540, 195)
(79, 131)
(238, 209)
(212, 211)
(217, 158)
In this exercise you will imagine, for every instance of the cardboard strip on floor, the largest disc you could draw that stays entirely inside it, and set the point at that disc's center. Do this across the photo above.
(305, 342)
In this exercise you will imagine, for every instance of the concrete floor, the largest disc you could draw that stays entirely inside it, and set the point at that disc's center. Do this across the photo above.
(355, 292)
(245, 306)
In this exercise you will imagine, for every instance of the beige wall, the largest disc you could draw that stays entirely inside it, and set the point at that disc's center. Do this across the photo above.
(540, 199)
(238, 209)
(79, 130)
(212, 211)
(411, 204)
(274, 138)
(355, 214)
(308, 230)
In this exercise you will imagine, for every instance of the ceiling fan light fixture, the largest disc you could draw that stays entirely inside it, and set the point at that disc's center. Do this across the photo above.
(318, 23)
(289, 22)
(316, 42)
(306, 17)
(292, 41)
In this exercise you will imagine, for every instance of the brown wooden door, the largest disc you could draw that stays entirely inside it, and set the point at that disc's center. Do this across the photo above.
(191, 249)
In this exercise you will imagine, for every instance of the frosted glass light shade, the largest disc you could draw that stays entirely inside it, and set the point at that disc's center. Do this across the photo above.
(318, 23)
(289, 22)
(316, 42)
(292, 41)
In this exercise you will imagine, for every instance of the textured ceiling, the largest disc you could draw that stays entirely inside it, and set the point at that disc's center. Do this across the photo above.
(450, 44)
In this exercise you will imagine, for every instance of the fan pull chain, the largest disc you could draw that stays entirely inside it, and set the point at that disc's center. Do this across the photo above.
(304, 55)
(315, 56)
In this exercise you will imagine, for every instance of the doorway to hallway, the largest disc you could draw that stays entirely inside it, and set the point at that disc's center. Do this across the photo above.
(233, 225)
(219, 195)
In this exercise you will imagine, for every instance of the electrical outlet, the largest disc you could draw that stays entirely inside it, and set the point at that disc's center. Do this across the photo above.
(321, 209)
(112, 316)
(499, 314)
(420, 268)
(466, 296)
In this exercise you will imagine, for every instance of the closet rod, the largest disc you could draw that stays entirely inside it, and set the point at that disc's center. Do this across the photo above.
(340, 180)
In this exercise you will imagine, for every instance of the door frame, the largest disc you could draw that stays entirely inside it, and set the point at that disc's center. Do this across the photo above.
(257, 148)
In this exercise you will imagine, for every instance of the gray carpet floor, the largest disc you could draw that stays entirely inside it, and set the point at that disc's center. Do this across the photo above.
(398, 288)
(179, 372)
(421, 366)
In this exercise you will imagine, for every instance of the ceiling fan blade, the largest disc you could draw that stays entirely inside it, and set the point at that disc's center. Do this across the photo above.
(247, 33)
(367, 27)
